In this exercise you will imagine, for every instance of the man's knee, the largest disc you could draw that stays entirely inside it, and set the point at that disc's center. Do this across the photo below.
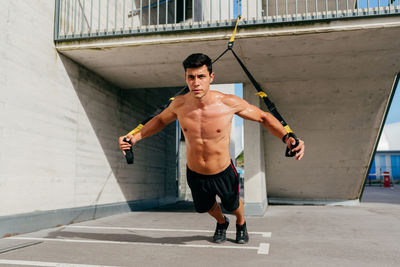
(214, 207)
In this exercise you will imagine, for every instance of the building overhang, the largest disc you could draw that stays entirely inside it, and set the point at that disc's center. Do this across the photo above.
(271, 52)
(332, 82)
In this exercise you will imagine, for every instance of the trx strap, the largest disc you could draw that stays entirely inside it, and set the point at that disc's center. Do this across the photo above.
(270, 105)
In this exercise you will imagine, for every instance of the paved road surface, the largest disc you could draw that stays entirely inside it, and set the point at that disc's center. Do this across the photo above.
(365, 235)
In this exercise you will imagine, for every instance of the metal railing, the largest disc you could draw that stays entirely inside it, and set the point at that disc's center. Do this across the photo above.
(79, 19)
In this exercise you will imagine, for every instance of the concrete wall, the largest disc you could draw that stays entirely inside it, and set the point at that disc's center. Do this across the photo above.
(59, 124)
(340, 125)
(184, 189)
(255, 191)
(331, 81)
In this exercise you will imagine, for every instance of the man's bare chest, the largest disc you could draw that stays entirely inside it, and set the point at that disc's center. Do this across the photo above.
(206, 123)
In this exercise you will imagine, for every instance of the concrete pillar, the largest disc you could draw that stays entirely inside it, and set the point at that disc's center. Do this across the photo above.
(255, 191)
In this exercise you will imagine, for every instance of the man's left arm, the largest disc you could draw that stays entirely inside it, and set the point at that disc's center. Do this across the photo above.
(251, 112)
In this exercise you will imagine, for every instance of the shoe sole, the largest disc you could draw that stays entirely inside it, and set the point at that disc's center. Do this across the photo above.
(219, 241)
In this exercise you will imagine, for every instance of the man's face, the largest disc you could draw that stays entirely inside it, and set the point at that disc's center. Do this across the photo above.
(198, 81)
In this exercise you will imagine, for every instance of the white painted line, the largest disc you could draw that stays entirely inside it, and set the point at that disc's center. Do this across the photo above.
(267, 234)
(263, 249)
(134, 243)
(50, 264)
(264, 234)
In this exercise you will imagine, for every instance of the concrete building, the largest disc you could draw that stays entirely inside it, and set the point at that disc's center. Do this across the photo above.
(75, 76)
(387, 156)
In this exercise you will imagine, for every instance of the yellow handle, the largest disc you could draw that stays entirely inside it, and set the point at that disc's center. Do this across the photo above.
(261, 94)
(287, 128)
(234, 31)
(136, 130)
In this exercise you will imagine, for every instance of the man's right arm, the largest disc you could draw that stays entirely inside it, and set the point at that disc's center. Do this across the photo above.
(251, 112)
(152, 127)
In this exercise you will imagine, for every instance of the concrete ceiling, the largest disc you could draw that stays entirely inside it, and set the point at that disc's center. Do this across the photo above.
(271, 53)
(332, 80)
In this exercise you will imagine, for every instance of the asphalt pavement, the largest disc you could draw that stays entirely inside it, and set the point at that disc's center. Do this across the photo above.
(364, 235)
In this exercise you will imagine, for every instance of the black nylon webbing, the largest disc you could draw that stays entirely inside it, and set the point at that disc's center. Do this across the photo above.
(270, 105)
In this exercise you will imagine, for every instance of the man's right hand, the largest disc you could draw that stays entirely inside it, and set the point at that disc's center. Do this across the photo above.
(299, 150)
(125, 145)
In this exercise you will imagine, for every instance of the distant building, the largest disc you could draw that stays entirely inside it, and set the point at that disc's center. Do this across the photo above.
(387, 156)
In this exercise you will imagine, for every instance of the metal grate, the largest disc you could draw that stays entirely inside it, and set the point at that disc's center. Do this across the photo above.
(79, 19)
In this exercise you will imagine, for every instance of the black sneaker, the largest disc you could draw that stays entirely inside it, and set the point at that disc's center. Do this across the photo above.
(242, 237)
(220, 231)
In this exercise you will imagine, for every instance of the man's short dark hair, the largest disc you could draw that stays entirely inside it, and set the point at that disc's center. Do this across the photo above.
(197, 60)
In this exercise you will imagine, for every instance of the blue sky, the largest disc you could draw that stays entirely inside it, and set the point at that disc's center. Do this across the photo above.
(373, 3)
(394, 110)
(236, 8)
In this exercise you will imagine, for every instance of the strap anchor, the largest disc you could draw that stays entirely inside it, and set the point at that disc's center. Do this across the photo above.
(232, 40)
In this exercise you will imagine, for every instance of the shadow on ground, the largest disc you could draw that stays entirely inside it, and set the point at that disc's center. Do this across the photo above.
(182, 206)
(131, 237)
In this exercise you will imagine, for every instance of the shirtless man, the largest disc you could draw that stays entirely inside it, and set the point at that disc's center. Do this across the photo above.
(205, 117)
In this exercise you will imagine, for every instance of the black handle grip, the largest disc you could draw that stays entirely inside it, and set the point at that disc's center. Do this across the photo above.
(129, 153)
(289, 153)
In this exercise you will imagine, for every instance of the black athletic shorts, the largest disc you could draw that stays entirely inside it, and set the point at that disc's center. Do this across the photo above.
(205, 187)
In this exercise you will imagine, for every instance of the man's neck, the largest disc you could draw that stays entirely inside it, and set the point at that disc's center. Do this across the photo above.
(204, 101)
